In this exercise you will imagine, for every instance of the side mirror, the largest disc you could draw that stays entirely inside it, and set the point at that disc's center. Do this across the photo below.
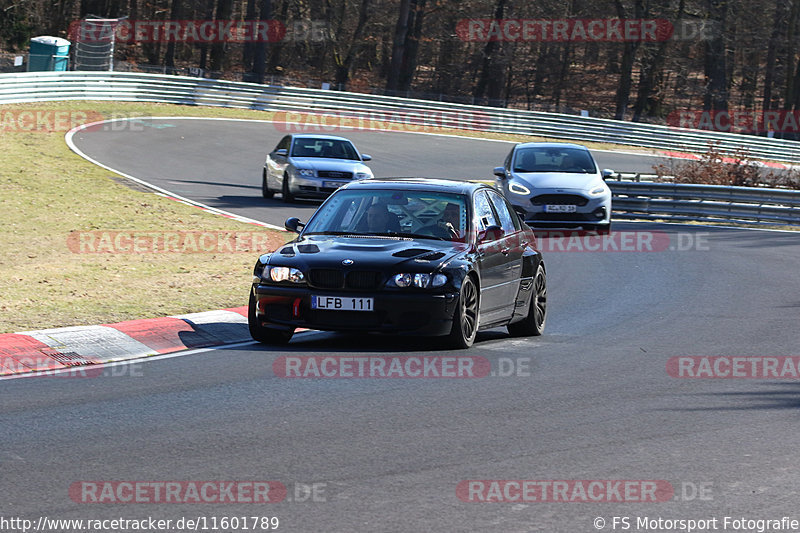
(500, 172)
(282, 151)
(366, 157)
(492, 233)
(607, 173)
(293, 224)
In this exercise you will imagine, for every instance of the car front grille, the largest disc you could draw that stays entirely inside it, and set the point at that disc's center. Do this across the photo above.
(363, 280)
(558, 217)
(335, 174)
(327, 278)
(559, 199)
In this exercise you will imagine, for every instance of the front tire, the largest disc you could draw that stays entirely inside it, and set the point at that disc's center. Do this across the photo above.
(259, 332)
(265, 191)
(533, 324)
(465, 318)
(288, 197)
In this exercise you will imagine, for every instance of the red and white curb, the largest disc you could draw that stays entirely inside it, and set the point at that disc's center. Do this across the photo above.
(730, 160)
(60, 348)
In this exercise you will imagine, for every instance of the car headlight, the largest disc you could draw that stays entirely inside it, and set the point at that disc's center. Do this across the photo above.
(278, 274)
(420, 281)
(597, 191)
(306, 172)
(363, 175)
(516, 188)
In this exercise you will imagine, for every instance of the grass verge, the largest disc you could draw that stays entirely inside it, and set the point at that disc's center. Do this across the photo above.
(47, 192)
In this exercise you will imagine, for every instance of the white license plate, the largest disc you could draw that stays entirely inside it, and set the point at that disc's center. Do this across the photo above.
(560, 208)
(333, 184)
(337, 303)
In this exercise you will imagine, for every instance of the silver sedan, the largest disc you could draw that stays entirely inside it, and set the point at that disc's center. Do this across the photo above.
(312, 166)
(556, 184)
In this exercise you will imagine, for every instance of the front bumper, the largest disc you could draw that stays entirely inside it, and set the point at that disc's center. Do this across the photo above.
(596, 211)
(411, 312)
(312, 187)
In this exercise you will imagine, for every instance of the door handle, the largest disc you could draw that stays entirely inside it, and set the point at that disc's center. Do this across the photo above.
(505, 251)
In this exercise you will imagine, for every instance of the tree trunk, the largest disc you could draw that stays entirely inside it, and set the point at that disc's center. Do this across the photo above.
(248, 50)
(344, 68)
(175, 14)
(790, 60)
(651, 76)
(204, 46)
(716, 68)
(260, 48)
(491, 68)
(769, 73)
(398, 48)
(409, 64)
(623, 95)
(224, 12)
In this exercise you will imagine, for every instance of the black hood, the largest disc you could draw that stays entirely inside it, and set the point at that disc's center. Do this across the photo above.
(381, 253)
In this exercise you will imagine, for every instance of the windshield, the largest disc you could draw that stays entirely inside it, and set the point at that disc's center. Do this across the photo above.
(418, 214)
(328, 148)
(541, 159)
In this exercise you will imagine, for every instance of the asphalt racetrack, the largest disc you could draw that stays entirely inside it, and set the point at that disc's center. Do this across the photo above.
(596, 398)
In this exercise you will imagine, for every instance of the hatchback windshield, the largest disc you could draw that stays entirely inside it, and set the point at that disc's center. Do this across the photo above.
(541, 159)
(329, 148)
(421, 214)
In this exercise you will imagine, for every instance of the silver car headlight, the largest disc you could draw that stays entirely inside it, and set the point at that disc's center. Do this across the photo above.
(420, 281)
(278, 274)
(363, 175)
(597, 191)
(307, 172)
(516, 188)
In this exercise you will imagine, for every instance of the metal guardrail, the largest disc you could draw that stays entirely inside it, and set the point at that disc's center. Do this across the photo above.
(640, 200)
(44, 86)
(706, 203)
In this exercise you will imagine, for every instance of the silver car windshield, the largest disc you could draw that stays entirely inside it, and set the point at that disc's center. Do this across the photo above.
(541, 159)
(417, 214)
(327, 148)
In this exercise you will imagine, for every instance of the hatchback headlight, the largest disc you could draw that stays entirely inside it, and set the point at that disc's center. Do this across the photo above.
(306, 172)
(516, 188)
(597, 191)
(278, 274)
(420, 281)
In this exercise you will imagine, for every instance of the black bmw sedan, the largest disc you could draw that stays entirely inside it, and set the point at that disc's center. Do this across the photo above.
(403, 256)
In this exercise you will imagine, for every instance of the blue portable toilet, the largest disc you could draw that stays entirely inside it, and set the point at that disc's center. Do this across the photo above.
(48, 53)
